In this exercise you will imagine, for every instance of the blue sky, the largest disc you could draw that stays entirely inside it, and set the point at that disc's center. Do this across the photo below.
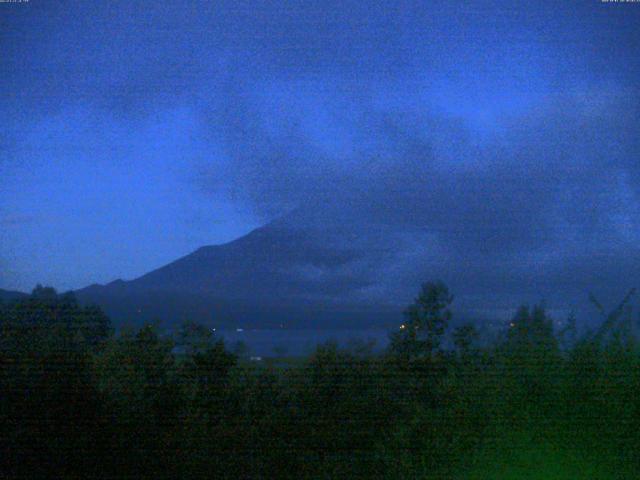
(135, 132)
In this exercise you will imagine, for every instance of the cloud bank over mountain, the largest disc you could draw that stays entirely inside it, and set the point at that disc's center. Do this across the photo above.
(498, 157)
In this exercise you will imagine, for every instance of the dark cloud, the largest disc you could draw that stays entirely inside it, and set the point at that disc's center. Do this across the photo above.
(572, 163)
(544, 205)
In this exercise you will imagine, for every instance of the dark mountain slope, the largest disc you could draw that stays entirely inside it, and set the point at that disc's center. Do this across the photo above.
(340, 265)
(279, 274)
(10, 295)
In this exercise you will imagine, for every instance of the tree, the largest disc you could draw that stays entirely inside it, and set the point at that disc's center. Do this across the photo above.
(532, 355)
(531, 330)
(465, 339)
(241, 349)
(568, 334)
(194, 338)
(46, 346)
(426, 322)
(48, 320)
(209, 369)
(134, 374)
(280, 350)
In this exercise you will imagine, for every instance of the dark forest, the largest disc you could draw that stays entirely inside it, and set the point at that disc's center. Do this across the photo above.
(80, 401)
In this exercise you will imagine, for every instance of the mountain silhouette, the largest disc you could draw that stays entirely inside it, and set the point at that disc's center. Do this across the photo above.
(339, 264)
(10, 295)
(296, 271)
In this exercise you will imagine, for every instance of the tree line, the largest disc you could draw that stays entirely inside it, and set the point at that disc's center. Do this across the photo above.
(79, 401)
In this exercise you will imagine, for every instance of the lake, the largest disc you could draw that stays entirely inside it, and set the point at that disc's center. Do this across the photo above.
(296, 342)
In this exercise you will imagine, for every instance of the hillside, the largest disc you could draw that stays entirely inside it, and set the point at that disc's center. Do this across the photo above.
(10, 295)
(285, 273)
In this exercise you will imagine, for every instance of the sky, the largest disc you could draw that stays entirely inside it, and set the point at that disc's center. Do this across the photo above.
(135, 132)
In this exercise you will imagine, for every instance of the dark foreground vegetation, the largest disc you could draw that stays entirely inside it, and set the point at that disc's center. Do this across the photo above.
(77, 401)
